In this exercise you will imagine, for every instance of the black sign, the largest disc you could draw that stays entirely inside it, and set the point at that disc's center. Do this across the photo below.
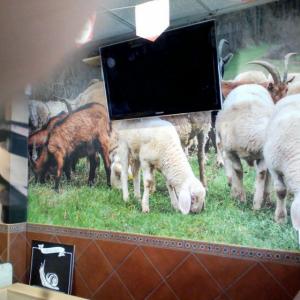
(52, 266)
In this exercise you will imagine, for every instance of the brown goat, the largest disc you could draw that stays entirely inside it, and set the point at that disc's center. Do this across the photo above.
(39, 138)
(82, 133)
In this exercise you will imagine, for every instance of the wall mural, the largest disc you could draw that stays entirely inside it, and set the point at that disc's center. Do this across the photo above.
(201, 176)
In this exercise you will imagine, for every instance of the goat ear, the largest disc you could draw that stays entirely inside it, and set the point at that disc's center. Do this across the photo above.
(295, 212)
(270, 86)
(291, 80)
(184, 201)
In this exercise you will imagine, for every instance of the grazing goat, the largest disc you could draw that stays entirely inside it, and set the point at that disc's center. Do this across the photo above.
(82, 133)
(282, 155)
(39, 138)
(277, 90)
(153, 144)
(241, 127)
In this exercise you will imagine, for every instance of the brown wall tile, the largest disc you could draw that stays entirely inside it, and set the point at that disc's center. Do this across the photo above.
(139, 275)
(288, 276)
(3, 246)
(94, 267)
(257, 284)
(191, 281)
(106, 269)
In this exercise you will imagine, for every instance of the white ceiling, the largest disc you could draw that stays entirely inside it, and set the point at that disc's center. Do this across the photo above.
(115, 19)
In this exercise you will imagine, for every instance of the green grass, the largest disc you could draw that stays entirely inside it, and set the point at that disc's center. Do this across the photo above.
(224, 220)
(239, 61)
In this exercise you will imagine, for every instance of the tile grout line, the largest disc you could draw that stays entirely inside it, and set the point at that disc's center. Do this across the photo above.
(75, 265)
(223, 294)
(83, 280)
(206, 269)
(88, 244)
(162, 277)
(178, 266)
(275, 279)
(124, 285)
(111, 267)
(119, 266)
(18, 235)
(234, 282)
(114, 270)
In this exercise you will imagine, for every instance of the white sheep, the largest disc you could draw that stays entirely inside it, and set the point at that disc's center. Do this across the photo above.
(190, 126)
(282, 155)
(94, 93)
(294, 88)
(153, 144)
(248, 77)
(252, 77)
(40, 112)
(241, 132)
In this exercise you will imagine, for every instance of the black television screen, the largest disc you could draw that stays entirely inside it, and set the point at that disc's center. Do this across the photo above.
(178, 73)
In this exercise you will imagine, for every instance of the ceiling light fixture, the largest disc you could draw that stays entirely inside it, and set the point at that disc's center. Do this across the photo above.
(152, 19)
(86, 34)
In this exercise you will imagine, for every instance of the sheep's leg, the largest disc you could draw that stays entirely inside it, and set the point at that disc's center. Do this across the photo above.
(136, 179)
(268, 188)
(201, 156)
(148, 182)
(281, 192)
(42, 176)
(228, 169)
(104, 145)
(220, 161)
(124, 172)
(60, 165)
(260, 183)
(74, 163)
(93, 166)
(235, 165)
(67, 169)
(213, 138)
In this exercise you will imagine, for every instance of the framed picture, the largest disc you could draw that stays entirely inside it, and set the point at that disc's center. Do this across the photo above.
(52, 266)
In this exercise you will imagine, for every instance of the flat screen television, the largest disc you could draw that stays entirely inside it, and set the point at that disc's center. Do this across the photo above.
(178, 73)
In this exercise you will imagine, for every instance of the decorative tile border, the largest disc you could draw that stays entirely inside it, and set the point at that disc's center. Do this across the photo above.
(13, 228)
(170, 243)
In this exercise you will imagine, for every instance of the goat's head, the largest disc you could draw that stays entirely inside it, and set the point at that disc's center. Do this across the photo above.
(279, 87)
(38, 163)
(191, 197)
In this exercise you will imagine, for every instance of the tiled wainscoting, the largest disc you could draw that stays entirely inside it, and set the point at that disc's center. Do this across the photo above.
(122, 266)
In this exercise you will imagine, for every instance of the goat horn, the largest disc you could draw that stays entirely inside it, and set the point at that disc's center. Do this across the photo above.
(271, 68)
(221, 45)
(228, 58)
(286, 64)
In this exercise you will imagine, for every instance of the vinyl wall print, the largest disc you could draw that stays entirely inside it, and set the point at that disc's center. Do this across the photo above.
(168, 179)
(52, 266)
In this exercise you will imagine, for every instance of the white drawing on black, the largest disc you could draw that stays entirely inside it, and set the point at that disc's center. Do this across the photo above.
(50, 280)
(51, 250)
